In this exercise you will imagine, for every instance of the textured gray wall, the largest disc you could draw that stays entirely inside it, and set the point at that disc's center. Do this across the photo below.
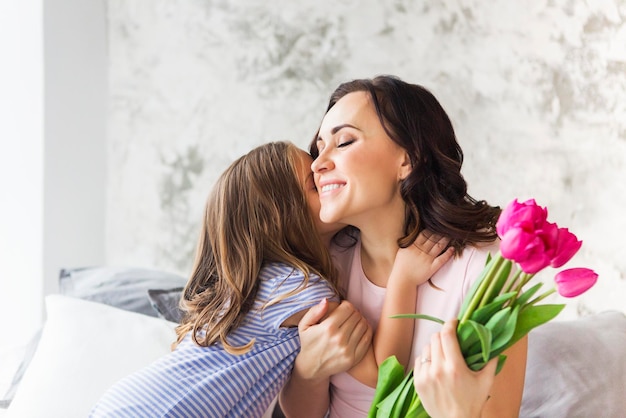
(536, 90)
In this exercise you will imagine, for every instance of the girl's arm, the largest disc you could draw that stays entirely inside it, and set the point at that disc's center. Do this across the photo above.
(413, 266)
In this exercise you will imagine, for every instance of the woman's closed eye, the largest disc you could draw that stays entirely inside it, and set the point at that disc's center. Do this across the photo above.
(345, 143)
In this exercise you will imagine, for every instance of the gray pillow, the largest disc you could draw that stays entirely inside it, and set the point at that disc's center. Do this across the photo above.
(166, 302)
(577, 368)
(122, 287)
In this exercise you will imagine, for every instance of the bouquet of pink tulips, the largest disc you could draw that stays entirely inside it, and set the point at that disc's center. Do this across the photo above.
(498, 310)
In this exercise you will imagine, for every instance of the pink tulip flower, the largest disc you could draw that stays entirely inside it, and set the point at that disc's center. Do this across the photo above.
(526, 249)
(575, 281)
(527, 215)
(530, 240)
(567, 246)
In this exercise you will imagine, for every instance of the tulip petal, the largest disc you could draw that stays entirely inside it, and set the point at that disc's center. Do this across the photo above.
(575, 281)
(534, 263)
(567, 246)
(514, 244)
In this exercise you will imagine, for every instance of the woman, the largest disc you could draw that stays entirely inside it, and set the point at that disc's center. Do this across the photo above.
(387, 163)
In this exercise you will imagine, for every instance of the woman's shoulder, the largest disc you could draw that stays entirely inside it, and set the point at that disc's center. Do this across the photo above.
(480, 250)
(473, 260)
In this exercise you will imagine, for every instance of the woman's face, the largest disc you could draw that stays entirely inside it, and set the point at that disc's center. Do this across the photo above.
(305, 177)
(359, 168)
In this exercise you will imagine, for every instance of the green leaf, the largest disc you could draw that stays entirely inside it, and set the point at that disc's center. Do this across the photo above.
(416, 410)
(385, 407)
(390, 375)
(419, 316)
(393, 404)
(403, 402)
(532, 316)
(467, 336)
(480, 364)
(475, 359)
(525, 297)
(500, 341)
(484, 336)
(479, 286)
(498, 321)
(483, 314)
(501, 360)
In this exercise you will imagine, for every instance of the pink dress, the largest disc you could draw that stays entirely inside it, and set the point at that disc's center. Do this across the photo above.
(349, 397)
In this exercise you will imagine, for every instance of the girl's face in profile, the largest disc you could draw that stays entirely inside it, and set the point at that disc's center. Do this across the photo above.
(359, 168)
(305, 178)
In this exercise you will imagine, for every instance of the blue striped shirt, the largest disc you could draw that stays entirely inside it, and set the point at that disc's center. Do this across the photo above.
(194, 381)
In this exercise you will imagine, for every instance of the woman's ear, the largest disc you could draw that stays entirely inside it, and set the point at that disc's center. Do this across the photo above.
(405, 167)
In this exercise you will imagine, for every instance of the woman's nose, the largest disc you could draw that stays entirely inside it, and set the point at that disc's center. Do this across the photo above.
(321, 164)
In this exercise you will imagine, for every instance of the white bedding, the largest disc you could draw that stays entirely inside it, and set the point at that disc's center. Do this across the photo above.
(85, 347)
(575, 368)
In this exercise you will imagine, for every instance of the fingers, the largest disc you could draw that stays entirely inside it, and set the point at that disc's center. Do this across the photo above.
(431, 243)
(443, 258)
(450, 343)
(437, 356)
(425, 358)
(345, 325)
(314, 315)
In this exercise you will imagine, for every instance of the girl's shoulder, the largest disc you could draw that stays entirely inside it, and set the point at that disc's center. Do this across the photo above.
(277, 272)
(282, 278)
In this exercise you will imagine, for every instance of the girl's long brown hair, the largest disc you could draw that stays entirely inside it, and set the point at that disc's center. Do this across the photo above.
(435, 191)
(256, 213)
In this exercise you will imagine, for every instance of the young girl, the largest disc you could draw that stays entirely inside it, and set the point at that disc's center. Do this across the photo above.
(261, 264)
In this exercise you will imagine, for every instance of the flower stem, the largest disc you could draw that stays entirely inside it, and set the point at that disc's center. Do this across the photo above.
(541, 297)
(480, 291)
(513, 281)
(496, 281)
(526, 277)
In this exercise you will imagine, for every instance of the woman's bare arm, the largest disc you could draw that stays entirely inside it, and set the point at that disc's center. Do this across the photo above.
(506, 394)
(329, 347)
(446, 386)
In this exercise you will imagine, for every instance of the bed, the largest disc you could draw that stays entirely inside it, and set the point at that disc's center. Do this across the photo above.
(107, 322)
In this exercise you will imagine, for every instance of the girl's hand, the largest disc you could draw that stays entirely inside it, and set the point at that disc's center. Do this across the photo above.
(444, 383)
(419, 261)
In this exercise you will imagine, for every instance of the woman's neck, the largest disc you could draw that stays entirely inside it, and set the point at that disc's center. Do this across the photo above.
(379, 245)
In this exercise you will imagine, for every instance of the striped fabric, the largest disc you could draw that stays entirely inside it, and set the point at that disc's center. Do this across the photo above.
(195, 381)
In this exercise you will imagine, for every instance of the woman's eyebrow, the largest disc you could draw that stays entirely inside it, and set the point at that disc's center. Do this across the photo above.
(338, 128)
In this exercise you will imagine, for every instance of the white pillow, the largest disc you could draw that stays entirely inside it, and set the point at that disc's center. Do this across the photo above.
(85, 347)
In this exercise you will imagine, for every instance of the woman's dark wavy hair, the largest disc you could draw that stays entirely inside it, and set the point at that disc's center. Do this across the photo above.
(435, 192)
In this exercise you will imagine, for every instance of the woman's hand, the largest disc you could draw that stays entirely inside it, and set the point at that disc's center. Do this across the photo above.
(331, 343)
(444, 383)
(419, 261)
(334, 344)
